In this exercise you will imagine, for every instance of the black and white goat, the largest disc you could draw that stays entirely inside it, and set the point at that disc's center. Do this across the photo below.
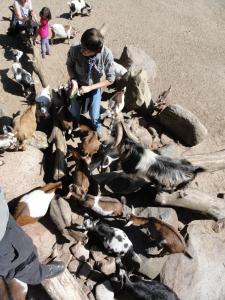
(166, 173)
(22, 76)
(113, 239)
(8, 140)
(136, 288)
(79, 7)
(43, 101)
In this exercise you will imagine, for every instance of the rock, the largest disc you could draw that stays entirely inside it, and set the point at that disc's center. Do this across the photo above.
(182, 125)
(42, 238)
(64, 286)
(141, 133)
(152, 266)
(78, 236)
(203, 276)
(84, 271)
(133, 58)
(80, 252)
(66, 258)
(74, 266)
(97, 254)
(38, 140)
(60, 213)
(21, 172)
(104, 291)
(138, 95)
(107, 266)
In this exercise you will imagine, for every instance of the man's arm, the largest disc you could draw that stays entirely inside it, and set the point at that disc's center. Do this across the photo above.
(70, 64)
(88, 88)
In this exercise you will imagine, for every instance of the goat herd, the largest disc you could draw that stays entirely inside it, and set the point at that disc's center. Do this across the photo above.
(119, 153)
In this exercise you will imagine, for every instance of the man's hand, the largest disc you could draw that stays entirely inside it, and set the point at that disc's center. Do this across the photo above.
(85, 89)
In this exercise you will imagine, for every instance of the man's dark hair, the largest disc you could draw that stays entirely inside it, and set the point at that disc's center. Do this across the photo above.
(92, 39)
(45, 13)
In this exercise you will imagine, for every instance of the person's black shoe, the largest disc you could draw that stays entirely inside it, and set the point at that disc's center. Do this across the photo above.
(54, 268)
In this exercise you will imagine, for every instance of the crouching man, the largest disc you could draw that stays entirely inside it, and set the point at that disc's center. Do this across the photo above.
(18, 255)
(86, 65)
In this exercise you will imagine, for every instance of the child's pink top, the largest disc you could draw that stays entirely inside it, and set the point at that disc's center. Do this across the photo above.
(43, 28)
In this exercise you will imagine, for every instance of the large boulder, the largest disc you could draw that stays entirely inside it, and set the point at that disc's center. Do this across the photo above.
(133, 58)
(42, 238)
(203, 276)
(64, 286)
(21, 172)
(182, 125)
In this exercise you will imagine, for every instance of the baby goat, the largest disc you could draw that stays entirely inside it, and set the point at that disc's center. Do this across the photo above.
(8, 140)
(62, 32)
(113, 239)
(166, 173)
(43, 101)
(34, 205)
(116, 105)
(79, 7)
(140, 289)
(24, 78)
(25, 125)
(164, 234)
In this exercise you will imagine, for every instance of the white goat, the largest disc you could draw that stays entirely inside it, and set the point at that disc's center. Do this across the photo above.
(44, 101)
(79, 7)
(63, 32)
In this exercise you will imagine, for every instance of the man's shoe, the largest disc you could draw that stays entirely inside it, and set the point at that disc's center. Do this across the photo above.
(54, 269)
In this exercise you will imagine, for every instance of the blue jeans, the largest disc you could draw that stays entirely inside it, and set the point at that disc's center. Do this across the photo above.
(94, 108)
(45, 48)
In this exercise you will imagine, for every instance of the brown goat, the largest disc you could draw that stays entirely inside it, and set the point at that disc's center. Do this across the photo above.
(164, 234)
(65, 119)
(34, 205)
(81, 176)
(25, 125)
(15, 290)
(105, 206)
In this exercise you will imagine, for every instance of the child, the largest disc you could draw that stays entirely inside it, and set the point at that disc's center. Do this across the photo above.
(86, 64)
(43, 30)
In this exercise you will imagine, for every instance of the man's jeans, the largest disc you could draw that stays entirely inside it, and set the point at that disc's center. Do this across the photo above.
(94, 108)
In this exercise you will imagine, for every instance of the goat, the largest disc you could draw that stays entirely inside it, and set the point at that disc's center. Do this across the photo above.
(24, 79)
(63, 32)
(14, 290)
(34, 205)
(119, 70)
(113, 239)
(43, 101)
(140, 289)
(166, 173)
(60, 167)
(164, 234)
(116, 105)
(65, 119)
(25, 125)
(8, 140)
(89, 140)
(17, 54)
(79, 7)
(103, 205)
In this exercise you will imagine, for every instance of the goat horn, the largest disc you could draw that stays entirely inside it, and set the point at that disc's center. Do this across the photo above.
(129, 134)
(119, 134)
(132, 210)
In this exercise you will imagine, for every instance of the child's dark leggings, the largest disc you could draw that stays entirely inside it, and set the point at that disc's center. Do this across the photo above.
(45, 48)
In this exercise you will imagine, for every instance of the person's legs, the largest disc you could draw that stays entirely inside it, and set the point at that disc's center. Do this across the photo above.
(94, 109)
(43, 47)
(47, 47)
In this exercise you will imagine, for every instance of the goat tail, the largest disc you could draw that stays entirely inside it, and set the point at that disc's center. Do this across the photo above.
(188, 255)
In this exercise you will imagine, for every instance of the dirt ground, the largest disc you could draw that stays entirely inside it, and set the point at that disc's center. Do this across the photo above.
(185, 38)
